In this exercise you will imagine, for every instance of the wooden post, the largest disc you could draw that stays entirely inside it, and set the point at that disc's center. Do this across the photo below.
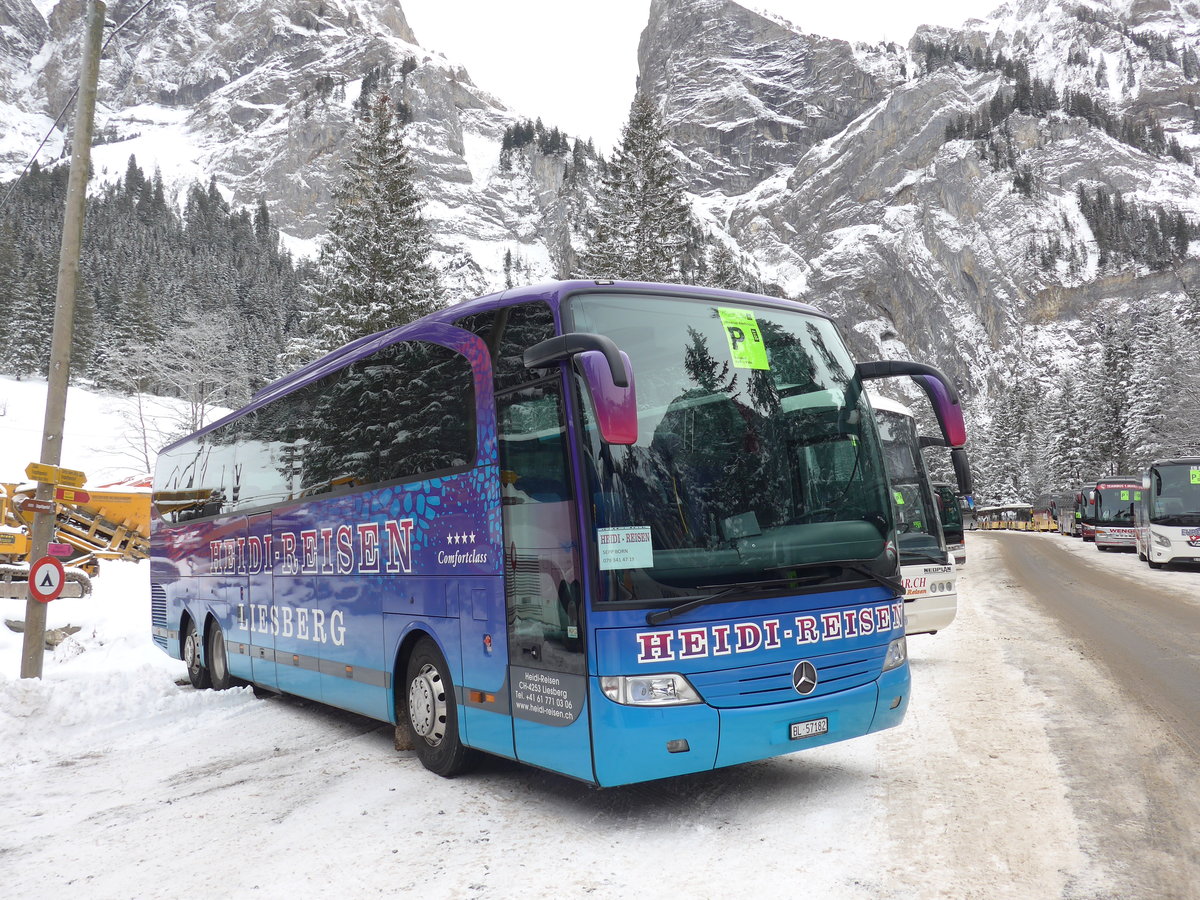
(64, 320)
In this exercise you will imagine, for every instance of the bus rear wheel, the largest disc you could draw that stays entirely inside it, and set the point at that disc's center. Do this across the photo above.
(433, 713)
(218, 661)
(197, 672)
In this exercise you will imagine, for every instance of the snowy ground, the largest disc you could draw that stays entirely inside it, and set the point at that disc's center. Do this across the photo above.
(118, 781)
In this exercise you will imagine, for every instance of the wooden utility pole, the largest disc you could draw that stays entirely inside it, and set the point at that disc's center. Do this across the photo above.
(64, 321)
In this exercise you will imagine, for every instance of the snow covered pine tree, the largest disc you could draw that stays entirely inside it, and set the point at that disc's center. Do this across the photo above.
(374, 268)
(643, 229)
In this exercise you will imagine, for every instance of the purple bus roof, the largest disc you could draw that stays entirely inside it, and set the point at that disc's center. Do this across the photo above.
(551, 292)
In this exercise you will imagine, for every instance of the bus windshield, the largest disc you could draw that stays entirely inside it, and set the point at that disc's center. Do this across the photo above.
(951, 512)
(1114, 502)
(756, 454)
(917, 523)
(1175, 494)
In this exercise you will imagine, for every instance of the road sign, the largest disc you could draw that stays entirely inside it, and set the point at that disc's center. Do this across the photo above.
(71, 495)
(71, 478)
(55, 475)
(46, 579)
(32, 504)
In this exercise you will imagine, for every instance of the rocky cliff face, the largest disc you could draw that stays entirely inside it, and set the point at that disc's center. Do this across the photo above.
(23, 32)
(843, 173)
(744, 95)
(260, 97)
(920, 243)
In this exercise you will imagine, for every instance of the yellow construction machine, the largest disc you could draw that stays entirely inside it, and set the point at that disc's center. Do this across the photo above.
(113, 522)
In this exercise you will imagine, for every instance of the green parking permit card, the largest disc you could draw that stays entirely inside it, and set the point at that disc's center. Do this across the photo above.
(899, 498)
(1124, 496)
(746, 344)
(1195, 476)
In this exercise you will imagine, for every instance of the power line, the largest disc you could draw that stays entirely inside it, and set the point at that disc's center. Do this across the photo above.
(66, 106)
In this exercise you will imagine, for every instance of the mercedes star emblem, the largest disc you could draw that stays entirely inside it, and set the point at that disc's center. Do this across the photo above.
(804, 677)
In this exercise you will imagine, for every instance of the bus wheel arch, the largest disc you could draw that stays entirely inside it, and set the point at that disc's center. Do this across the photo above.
(404, 734)
(427, 706)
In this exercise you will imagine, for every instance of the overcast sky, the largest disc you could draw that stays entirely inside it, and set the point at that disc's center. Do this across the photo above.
(575, 63)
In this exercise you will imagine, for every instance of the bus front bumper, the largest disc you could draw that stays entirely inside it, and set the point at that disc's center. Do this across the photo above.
(1180, 551)
(635, 744)
(1116, 537)
(927, 615)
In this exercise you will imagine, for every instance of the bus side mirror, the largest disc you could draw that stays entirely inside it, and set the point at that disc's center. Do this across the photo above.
(608, 374)
(616, 406)
(962, 471)
(940, 390)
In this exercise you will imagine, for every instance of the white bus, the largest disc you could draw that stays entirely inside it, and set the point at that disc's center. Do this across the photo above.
(1167, 517)
(926, 565)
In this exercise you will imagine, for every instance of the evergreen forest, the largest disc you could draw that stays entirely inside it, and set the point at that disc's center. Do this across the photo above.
(195, 304)
(1117, 404)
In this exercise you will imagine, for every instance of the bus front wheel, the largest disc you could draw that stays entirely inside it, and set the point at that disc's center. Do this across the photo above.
(197, 672)
(433, 714)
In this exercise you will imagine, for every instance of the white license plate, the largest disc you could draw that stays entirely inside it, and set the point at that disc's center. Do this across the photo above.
(808, 729)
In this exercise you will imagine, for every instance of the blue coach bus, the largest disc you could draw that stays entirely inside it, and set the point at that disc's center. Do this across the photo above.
(619, 531)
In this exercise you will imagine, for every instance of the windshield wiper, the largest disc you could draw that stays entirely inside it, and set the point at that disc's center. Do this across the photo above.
(662, 615)
(1177, 520)
(896, 587)
(925, 555)
(679, 609)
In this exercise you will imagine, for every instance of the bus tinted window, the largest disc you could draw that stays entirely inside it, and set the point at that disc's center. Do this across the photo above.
(334, 428)
(220, 470)
(179, 491)
(916, 522)
(1175, 494)
(270, 456)
(427, 410)
(744, 466)
(509, 332)
(404, 412)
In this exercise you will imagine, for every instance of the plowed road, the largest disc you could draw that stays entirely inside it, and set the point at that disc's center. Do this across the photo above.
(1138, 788)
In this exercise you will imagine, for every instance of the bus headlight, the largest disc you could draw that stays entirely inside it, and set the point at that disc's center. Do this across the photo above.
(1161, 539)
(897, 653)
(649, 690)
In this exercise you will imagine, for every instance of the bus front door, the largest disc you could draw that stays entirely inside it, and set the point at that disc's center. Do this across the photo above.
(547, 668)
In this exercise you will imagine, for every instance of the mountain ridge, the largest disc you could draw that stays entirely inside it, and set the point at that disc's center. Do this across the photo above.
(939, 198)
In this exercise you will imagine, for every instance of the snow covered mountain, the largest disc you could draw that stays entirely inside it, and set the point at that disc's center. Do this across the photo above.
(834, 167)
(941, 198)
(260, 97)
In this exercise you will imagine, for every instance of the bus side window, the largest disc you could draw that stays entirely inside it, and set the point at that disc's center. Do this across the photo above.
(331, 431)
(507, 332)
(426, 410)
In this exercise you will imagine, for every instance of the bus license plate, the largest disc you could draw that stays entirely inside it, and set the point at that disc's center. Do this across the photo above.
(811, 728)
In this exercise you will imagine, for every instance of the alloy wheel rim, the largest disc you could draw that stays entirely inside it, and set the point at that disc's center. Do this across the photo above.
(427, 705)
(191, 653)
